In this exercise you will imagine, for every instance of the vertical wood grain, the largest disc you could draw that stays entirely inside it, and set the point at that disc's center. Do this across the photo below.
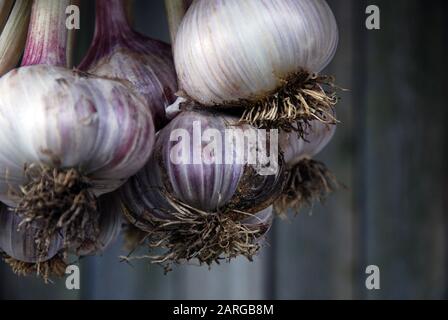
(406, 109)
(360, 183)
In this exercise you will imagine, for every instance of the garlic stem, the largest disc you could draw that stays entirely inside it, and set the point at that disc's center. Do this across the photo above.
(13, 37)
(5, 9)
(48, 35)
(71, 40)
(111, 19)
(176, 10)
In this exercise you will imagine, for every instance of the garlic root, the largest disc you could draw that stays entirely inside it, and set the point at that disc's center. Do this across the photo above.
(60, 201)
(189, 233)
(309, 181)
(54, 267)
(304, 97)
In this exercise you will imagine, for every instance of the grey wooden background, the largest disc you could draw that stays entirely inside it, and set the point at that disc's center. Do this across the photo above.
(390, 151)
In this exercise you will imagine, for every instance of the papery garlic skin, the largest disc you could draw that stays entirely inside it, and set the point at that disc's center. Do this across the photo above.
(19, 243)
(295, 148)
(60, 118)
(231, 50)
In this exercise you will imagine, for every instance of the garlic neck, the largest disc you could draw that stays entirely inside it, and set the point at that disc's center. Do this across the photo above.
(47, 40)
(111, 20)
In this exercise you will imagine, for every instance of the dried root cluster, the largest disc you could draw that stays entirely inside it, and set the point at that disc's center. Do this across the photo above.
(303, 98)
(309, 182)
(54, 267)
(60, 202)
(187, 234)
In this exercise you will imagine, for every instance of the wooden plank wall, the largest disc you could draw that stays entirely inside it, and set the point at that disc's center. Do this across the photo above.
(390, 151)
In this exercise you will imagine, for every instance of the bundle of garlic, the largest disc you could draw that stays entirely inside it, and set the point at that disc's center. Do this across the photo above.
(118, 52)
(259, 56)
(199, 195)
(20, 251)
(66, 136)
(308, 180)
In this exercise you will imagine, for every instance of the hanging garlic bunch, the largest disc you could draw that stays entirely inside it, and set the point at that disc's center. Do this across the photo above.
(20, 251)
(308, 180)
(118, 52)
(261, 56)
(13, 30)
(199, 194)
(66, 136)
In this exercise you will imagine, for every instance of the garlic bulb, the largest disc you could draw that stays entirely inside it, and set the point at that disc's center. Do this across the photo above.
(22, 253)
(77, 135)
(66, 136)
(309, 180)
(260, 55)
(118, 52)
(195, 193)
(110, 224)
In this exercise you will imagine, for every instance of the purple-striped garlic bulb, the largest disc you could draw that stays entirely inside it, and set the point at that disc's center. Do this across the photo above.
(262, 56)
(66, 137)
(206, 179)
(118, 52)
(309, 180)
(20, 251)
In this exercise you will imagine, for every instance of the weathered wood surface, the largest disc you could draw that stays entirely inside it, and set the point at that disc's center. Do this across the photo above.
(391, 152)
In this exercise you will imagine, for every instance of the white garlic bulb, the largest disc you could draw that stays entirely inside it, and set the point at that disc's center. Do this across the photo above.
(232, 50)
(57, 117)
(66, 138)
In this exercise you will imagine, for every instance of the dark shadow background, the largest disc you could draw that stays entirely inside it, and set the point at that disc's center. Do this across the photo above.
(390, 150)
